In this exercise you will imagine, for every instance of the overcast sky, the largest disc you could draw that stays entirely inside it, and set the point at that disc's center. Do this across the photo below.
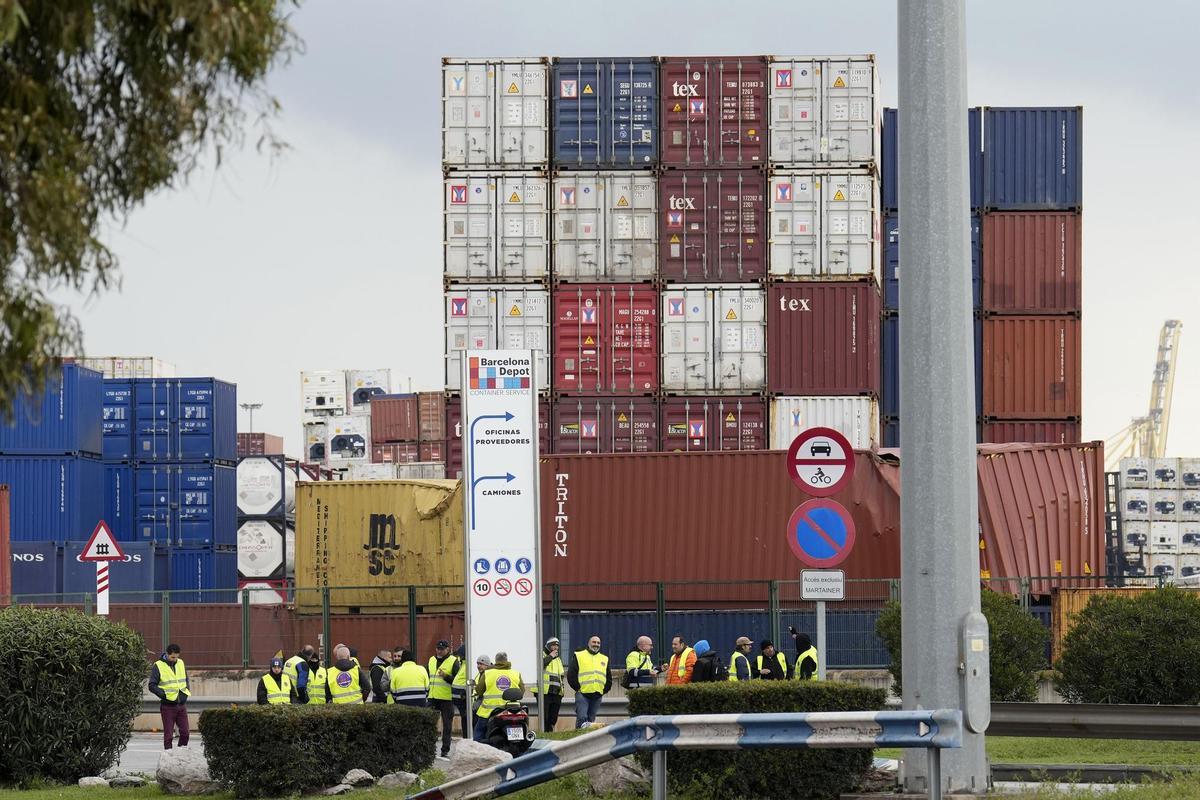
(331, 256)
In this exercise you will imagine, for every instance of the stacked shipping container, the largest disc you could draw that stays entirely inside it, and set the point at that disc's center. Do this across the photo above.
(1160, 517)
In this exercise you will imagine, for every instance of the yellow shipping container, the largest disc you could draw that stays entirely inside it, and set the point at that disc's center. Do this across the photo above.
(368, 541)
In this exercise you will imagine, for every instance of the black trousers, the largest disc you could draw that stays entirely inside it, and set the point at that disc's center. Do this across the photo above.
(448, 709)
(553, 702)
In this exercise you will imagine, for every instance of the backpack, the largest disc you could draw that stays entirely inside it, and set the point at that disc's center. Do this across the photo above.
(720, 670)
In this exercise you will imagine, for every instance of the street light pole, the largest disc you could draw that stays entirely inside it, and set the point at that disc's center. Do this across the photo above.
(251, 407)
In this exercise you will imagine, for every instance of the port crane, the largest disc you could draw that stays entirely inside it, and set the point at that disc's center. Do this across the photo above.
(1146, 437)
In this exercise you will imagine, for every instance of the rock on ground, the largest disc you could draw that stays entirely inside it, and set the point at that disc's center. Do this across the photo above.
(184, 770)
(341, 788)
(127, 782)
(398, 780)
(467, 757)
(91, 783)
(359, 777)
(621, 775)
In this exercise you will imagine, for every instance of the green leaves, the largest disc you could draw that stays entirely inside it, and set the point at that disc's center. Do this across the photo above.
(102, 103)
(72, 686)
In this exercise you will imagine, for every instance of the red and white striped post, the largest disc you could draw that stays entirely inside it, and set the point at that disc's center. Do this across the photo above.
(102, 588)
(102, 548)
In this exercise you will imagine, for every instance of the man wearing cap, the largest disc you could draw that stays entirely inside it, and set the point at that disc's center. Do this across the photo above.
(772, 665)
(739, 662)
(443, 667)
(552, 683)
(276, 688)
(297, 670)
(482, 664)
(589, 675)
(639, 669)
(490, 688)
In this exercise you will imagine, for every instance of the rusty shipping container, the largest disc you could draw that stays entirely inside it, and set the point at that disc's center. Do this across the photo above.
(5, 548)
(431, 416)
(713, 423)
(714, 225)
(395, 418)
(714, 111)
(1031, 368)
(1032, 263)
(432, 451)
(1040, 432)
(395, 453)
(454, 453)
(378, 534)
(605, 339)
(823, 339)
(604, 425)
(259, 444)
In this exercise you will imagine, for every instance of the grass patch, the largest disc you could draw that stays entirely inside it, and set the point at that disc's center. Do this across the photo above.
(147, 792)
(1033, 750)
(1186, 788)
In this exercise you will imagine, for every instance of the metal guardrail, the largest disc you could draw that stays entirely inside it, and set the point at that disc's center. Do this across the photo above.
(931, 730)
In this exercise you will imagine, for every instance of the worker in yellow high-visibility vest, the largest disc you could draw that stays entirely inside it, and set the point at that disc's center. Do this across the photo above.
(169, 682)
(343, 680)
(276, 688)
(591, 678)
(444, 668)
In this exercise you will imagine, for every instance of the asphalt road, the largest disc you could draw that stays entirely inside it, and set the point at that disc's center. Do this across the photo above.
(141, 754)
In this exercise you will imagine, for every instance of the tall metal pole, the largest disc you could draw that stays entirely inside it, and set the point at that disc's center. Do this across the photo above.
(939, 589)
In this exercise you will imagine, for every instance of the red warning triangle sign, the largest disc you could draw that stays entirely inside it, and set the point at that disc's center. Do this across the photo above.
(102, 546)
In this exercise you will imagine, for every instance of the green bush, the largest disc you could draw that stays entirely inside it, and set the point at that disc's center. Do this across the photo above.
(71, 686)
(804, 774)
(275, 751)
(1140, 649)
(1017, 642)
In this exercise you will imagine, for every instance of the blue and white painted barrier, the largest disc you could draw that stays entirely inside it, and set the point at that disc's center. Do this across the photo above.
(931, 730)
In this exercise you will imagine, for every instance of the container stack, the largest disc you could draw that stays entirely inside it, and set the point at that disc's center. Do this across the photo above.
(408, 438)
(336, 414)
(1026, 194)
(259, 444)
(266, 510)
(1160, 517)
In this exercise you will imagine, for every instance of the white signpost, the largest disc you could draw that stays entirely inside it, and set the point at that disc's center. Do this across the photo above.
(102, 548)
(822, 585)
(500, 490)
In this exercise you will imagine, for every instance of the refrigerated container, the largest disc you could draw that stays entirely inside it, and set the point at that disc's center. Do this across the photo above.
(713, 423)
(605, 339)
(824, 110)
(1033, 158)
(322, 391)
(1189, 472)
(824, 224)
(714, 339)
(604, 425)
(496, 317)
(363, 385)
(395, 418)
(1032, 262)
(1136, 535)
(186, 505)
(713, 225)
(1164, 537)
(53, 498)
(348, 439)
(1164, 473)
(260, 548)
(1164, 505)
(1189, 506)
(890, 159)
(117, 420)
(64, 418)
(259, 444)
(823, 338)
(714, 111)
(496, 227)
(605, 113)
(454, 450)
(891, 262)
(1031, 367)
(605, 226)
(1135, 473)
(494, 113)
(1135, 505)
(315, 432)
(266, 487)
(855, 417)
(185, 420)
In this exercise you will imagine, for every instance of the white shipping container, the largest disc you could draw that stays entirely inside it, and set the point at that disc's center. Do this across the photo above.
(1166, 474)
(371, 472)
(323, 391)
(262, 593)
(265, 488)
(1135, 504)
(363, 384)
(1137, 563)
(417, 470)
(495, 113)
(1164, 566)
(260, 549)
(1164, 537)
(824, 224)
(856, 418)
(1189, 473)
(1164, 505)
(1137, 534)
(1135, 473)
(128, 367)
(496, 318)
(713, 339)
(1189, 567)
(605, 226)
(348, 439)
(496, 227)
(824, 110)
(1189, 506)
(315, 434)
(1189, 537)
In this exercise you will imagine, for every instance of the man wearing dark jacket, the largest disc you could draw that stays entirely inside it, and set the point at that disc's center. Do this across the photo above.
(771, 665)
(381, 677)
(276, 687)
(591, 678)
(706, 663)
(169, 683)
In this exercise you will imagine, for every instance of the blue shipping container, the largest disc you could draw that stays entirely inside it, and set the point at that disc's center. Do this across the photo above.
(891, 262)
(35, 570)
(1034, 159)
(118, 501)
(889, 396)
(185, 420)
(187, 505)
(605, 113)
(197, 572)
(143, 570)
(117, 416)
(63, 419)
(891, 432)
(53, 498)
(889, 159)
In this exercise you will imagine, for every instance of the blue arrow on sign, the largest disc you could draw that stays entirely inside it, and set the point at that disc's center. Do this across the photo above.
(506, 477)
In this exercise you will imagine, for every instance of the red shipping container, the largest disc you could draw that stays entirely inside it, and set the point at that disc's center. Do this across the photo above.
(1032, 263)
(395, 418)
(1031, 367)
(714, 423)
(259, 444)
(1044, 432)
(605, 339)
(433, 451)
(396, 453)
(454, 450)
(713, 225)
(604, 425)
(714, 111)
(823, 339)
(431, 415)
